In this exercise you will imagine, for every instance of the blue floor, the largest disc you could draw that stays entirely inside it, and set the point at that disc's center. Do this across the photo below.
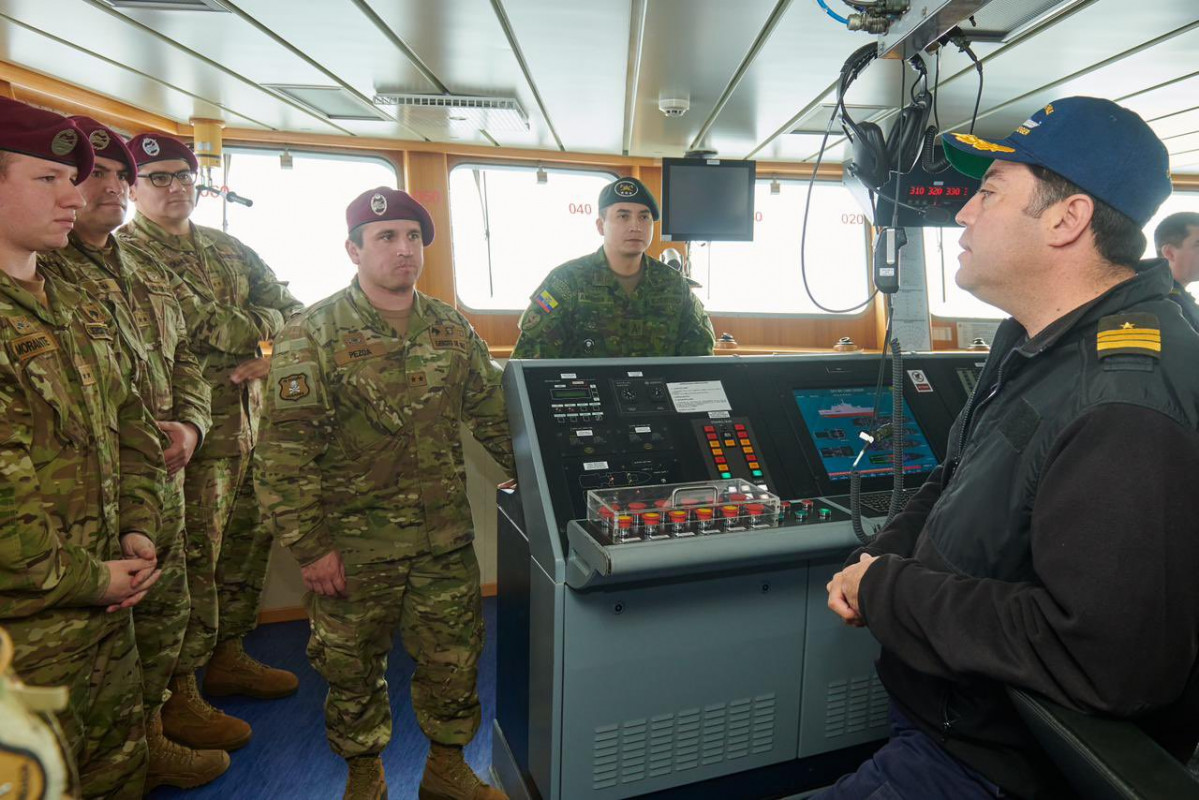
(289, 756)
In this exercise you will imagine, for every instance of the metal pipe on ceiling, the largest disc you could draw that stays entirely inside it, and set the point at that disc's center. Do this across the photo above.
(400, 45)
(114, 63)
(502, 15)
(633, 70)
(772, 22)
(107, 9)
(300, 54)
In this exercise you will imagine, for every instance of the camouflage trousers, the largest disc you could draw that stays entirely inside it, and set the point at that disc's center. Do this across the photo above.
(436, 604)
(160, 619)
(228, 550)
(103, 723)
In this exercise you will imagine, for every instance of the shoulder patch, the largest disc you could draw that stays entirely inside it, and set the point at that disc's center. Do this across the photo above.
(547, 301)
(1136, 334)
(294, 388)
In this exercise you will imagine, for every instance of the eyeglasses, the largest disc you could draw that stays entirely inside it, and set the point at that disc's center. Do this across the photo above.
(163, 179)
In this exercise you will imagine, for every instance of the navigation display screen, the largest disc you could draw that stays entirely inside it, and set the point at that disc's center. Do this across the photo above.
(835, 417)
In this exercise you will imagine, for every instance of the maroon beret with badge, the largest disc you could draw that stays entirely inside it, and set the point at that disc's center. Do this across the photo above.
(382, 203)
(107, 143)
(44, 134)
(150, 147)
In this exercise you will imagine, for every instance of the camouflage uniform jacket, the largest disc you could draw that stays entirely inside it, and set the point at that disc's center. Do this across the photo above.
(81, 461)
(361, 444)
(141, 296)
(581, 311)
(237, 302)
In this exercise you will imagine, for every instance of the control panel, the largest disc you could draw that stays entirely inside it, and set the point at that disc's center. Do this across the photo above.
(783, 426)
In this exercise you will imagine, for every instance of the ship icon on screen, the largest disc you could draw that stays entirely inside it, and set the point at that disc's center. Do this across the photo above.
(846, 410)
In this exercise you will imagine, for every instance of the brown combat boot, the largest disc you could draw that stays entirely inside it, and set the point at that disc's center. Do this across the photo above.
(187, 718)
(448, 777)
(234, 671)
(365, 781)
(173, 764)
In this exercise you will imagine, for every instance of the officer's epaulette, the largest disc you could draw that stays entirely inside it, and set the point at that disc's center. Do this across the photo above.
(1133, 334)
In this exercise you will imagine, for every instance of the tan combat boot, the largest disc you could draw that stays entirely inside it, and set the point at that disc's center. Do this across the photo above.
(187, 718)
(173, 764)
(365, 781)
(234, 671)
(448, 777)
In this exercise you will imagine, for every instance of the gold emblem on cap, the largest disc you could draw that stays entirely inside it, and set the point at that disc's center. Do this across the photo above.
(625, 188)
(150, 147)
(378, 204)
(982, 144)
(99, 139)
(64, 142)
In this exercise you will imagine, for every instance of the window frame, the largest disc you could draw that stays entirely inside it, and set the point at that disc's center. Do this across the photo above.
(613, 173)
(868, 234)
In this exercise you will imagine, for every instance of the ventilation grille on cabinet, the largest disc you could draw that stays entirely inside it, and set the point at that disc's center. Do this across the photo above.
(639, 749)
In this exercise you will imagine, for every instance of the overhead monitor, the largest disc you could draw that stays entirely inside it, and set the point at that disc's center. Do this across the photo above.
(707, 200)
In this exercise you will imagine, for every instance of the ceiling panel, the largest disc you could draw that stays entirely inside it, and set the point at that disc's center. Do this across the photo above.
(343, 40)
(112, 36)
(797, 64)
(581, 77)
(1086, 38)
(33, 50)
(692, 47)
(464, 45)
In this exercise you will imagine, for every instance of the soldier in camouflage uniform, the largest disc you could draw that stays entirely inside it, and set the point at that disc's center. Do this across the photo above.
(237, 303)
(82, 466)
(140, 296)
(617, 301)
(361, 476)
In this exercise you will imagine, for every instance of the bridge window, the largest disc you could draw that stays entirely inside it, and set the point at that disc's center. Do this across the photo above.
(513, 224)
(763, 276)
(945, 298)
(941, 251)
(298, 220)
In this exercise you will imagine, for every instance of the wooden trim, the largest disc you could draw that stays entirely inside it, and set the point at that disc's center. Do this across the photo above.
(444, 148)
(38, 89)
(295, 613)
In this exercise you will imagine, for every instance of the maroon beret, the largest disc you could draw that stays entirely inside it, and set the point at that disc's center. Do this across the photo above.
(150, 147)
(382, 203)
(107, 143)
(44, 134)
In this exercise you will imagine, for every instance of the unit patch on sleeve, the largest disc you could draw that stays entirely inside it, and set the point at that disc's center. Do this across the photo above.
(547, 301)
(294, 388)
(1137, 334)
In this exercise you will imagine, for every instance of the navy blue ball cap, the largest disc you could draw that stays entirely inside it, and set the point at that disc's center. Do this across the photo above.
(1102, 147)
(628, 190)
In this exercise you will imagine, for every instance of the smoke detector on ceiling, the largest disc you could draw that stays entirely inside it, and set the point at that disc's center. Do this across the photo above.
(674, 106)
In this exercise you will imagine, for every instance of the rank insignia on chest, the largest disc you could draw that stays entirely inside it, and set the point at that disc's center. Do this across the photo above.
(294, 387)
(92, 312)
(547, 301)
(142, 319)
(417, 379)
(21, 324)
(1129, 334)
